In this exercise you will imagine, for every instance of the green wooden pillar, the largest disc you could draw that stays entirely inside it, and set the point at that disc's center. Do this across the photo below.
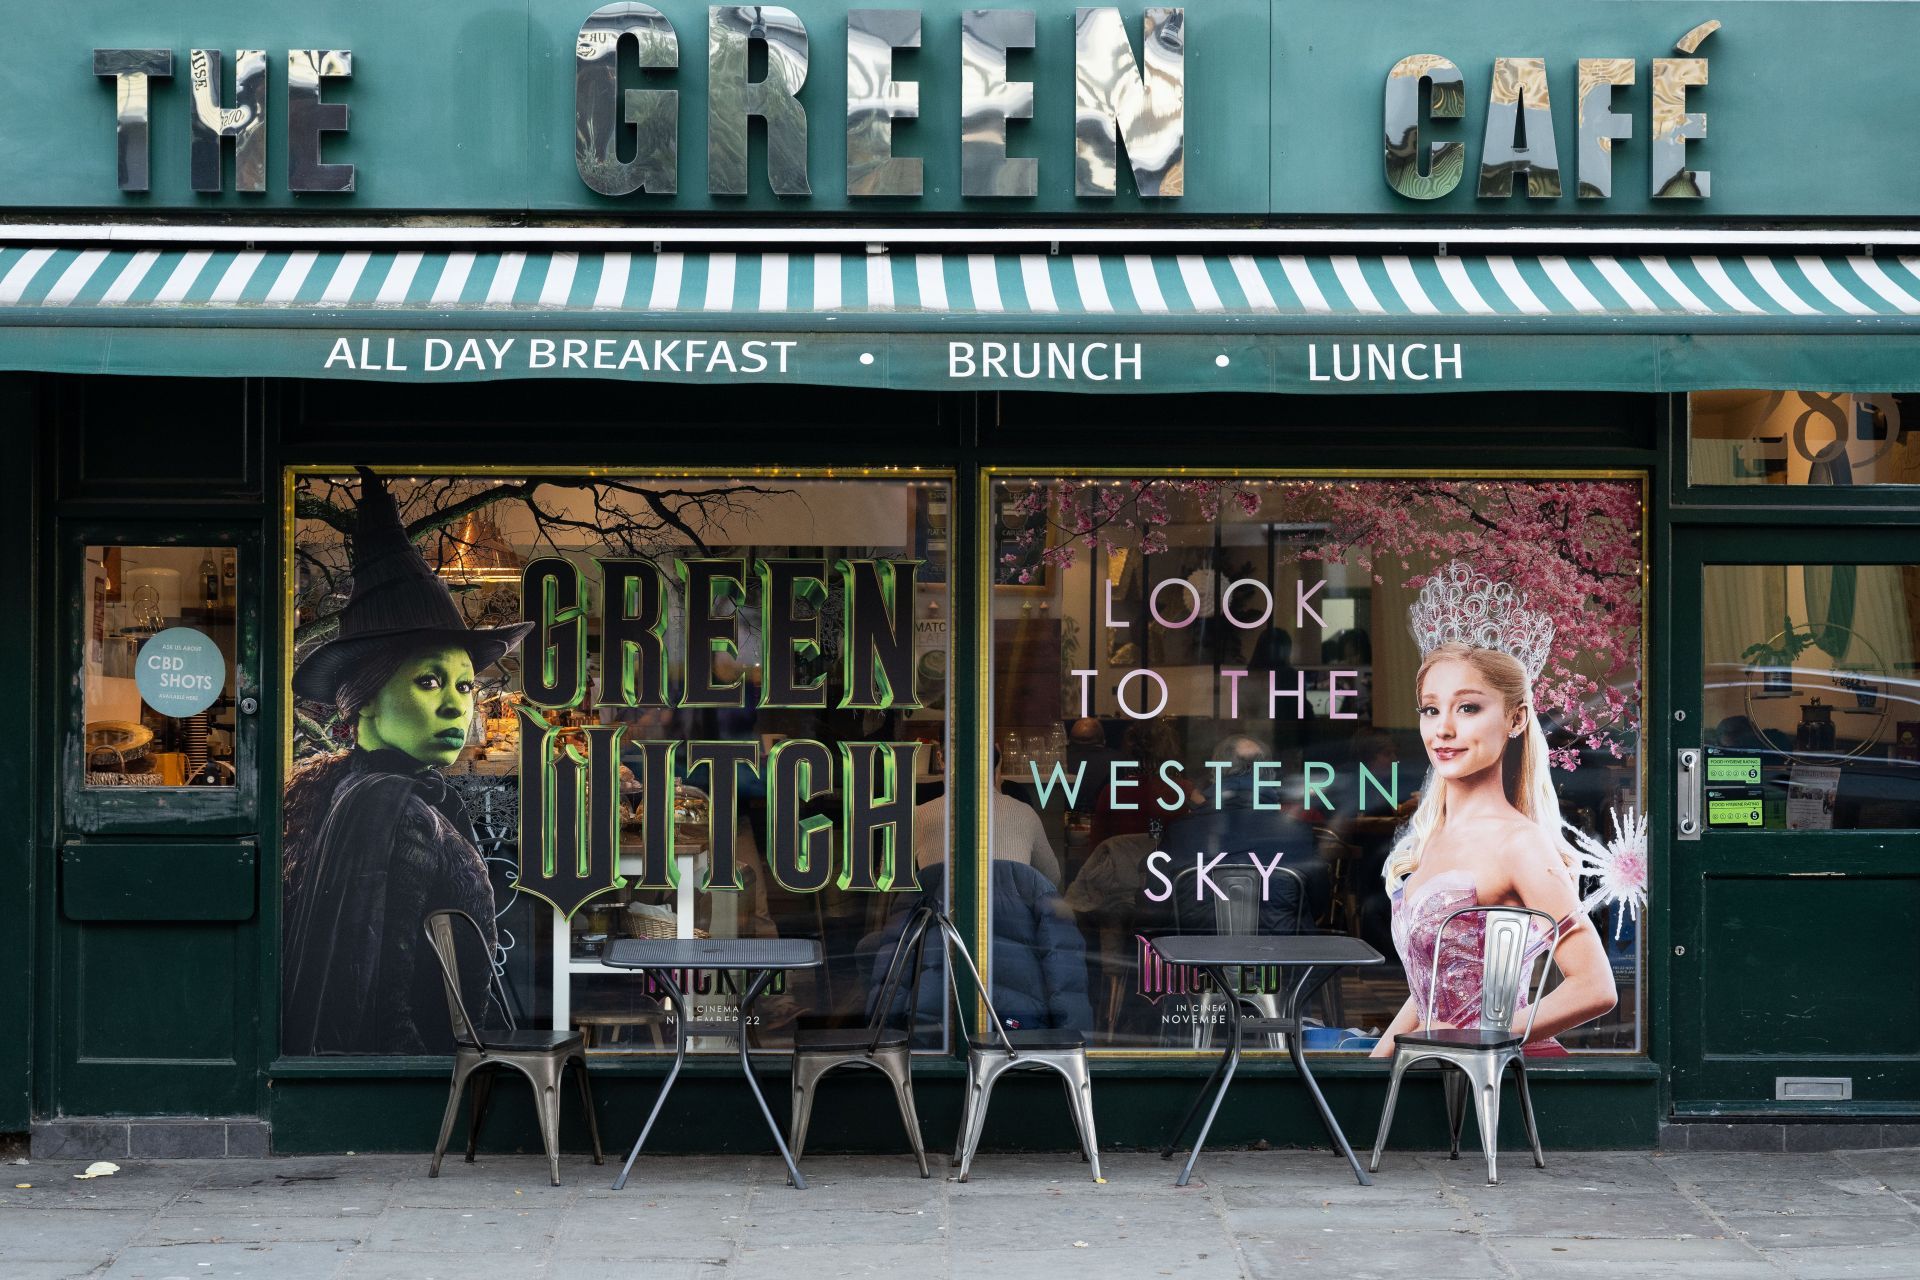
(22, 780)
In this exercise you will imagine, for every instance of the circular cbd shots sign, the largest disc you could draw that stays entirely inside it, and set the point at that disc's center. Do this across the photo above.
(180, 672)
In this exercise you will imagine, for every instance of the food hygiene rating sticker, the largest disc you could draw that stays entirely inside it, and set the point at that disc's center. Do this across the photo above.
(1733, 813)
(180, 672)
(1734, 769)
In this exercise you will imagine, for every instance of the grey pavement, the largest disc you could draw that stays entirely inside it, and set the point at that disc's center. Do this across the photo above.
(1248, 1215)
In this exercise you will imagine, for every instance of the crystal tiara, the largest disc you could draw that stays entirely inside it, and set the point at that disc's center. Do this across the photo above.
(1458, 606)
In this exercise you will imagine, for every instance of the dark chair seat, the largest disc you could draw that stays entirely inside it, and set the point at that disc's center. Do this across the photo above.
(1000, 1049)
(888, 1049)
(845, 1039)
(541, 1055)
(535, 1038)
(1039, 1040)
(1465, 1038)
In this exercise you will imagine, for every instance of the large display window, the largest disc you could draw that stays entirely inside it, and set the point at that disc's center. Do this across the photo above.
(1214, 704)
(586, 706)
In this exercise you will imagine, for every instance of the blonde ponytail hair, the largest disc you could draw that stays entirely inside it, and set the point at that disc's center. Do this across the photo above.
(1525, 769)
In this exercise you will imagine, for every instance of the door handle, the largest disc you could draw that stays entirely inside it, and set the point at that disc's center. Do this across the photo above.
(1686, 793)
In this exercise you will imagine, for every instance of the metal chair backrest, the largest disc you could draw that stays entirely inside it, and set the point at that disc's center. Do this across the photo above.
(906, 960)
(438, 927)
(1238, 913)
(1506, 948)
(952, 942)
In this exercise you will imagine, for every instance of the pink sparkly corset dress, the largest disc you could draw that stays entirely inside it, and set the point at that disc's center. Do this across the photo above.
(1416, 921)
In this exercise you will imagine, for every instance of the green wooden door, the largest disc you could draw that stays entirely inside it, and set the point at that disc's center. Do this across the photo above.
(155, 989)
(1795, 678)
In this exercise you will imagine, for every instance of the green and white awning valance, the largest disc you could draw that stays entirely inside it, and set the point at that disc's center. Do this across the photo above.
(1202, 321)
(1001, 285)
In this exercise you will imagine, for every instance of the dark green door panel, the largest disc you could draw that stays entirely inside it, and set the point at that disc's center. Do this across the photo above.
(158, 1019)
(148, 881)
(1793, 950)
(1758, 976)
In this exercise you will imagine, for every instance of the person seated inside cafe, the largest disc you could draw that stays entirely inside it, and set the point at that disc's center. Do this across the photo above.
(1016, 831)
(1039, 963)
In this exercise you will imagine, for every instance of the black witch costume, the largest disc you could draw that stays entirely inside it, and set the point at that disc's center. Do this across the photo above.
(376, 839)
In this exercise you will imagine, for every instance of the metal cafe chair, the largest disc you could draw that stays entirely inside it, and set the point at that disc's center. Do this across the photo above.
(1480, 1055)
(1235, 915)
(541, 1056)
(990, 1056)
(886, 1048)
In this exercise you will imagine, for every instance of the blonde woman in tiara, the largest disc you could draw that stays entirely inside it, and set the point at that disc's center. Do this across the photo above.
(1487, 829)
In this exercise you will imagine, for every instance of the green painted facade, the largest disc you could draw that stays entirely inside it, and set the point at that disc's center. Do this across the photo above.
(469, 107)
(143, 953)
(205, 944)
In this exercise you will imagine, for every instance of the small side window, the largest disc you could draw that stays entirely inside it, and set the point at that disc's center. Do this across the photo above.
(1802, 439)
(157, 665)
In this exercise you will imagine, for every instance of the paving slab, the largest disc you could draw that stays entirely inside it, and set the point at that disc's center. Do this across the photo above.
(1414, 1190)
(1599, 1215)
(467, 1266)
(1601, 1171)
(1220, 1263)
(505, 1232)
(63, 1235)
(509, 1189)
(48, 1188)
(1286, 1222)
(1372, 1255)
(1558, 1258)
(1899, 1167)
(774, 1262)
(179, 1227)
(298, 1261)
(1880, 1262)
(26, 1269)
(1864, 1194)
(1798, 1231)
(304, 1200)
(1709, 1166)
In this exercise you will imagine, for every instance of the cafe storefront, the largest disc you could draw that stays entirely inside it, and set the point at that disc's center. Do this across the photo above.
(573, 479)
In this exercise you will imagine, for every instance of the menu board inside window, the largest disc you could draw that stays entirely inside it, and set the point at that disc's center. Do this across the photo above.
(585, 708)
(1214, 712)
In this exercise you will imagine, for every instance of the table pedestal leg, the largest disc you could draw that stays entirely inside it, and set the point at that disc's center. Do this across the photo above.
(1193, 1108)
(666, 1086)
(746, 1068)
(1313, 1086)
(1232, 1061)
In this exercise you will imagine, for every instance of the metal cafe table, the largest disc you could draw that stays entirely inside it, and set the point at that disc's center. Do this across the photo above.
(1318, 956)
(760, 958)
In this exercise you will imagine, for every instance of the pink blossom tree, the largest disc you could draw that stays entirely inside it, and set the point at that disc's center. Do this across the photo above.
(1572, 547)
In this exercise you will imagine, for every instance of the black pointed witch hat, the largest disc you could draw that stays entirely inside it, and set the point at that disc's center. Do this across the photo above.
(394, 595)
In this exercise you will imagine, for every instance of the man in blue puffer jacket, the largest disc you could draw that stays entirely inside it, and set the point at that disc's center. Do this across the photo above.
(1039, 970)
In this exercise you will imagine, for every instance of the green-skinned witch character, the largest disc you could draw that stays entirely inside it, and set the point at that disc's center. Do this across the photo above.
(375, 836)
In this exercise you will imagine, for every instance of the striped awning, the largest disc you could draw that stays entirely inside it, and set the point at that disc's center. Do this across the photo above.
(1004, 286)
(1201, 321)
